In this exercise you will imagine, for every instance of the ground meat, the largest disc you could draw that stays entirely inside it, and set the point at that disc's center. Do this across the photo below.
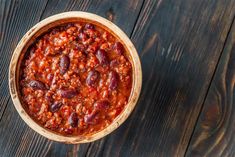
(75, 79)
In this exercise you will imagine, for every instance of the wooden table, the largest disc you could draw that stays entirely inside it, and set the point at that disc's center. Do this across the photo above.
(187, 103)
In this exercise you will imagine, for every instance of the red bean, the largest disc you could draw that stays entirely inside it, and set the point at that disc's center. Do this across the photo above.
(49, 98)
(102, 56)
(69, 25)
(64, 64)
(55, 106)
(71, 30)
(49, 50)
(80, 47)
(89, 26)
(89, 117)
(101, 105)
(83, 36)
(68, 93)
(73, 119)
(50, 77)
(113, 78)
(119, 48)
(37, 85)
(32, 50)
(113, 63)
(92, 78)
(92, 48)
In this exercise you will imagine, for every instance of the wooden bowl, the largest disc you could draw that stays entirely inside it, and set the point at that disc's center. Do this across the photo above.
(43, 27)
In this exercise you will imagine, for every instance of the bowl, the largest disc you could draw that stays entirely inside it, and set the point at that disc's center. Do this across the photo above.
(43, 27)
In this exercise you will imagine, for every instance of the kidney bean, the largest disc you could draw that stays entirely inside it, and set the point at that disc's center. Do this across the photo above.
(92, 77)
(55, 106)
(83, 36)
(49, 50)
(89, 117)
(69, 25)
(101, 105)
(71, 30)
(68, 93)
(113, 78)
(119, 48)
(102, 56)
(73, 119)
(89, 26)
(50, 77)
(79, 46)
(31, 52)
(64, 64)
(113, 63)
(37, 85)
(92, 48)
(49, 98)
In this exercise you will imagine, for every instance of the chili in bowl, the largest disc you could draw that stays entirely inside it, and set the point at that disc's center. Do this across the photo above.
(75, 77)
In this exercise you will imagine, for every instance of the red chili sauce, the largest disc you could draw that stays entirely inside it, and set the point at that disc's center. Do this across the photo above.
(75, 79)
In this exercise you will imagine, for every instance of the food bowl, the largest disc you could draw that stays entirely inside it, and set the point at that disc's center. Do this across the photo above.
(41, 28)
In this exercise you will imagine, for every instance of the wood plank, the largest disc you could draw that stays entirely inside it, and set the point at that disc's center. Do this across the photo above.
(11, 29)
(214, 133)
(179, 43)
(16, 17)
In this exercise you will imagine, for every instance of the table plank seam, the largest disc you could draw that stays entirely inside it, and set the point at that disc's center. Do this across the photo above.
(87, 151)
(4, 108)
(43, 11)
(141, 9)
(131, 35)
(209, 86)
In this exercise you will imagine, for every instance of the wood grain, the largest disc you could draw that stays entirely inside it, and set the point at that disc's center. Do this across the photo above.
(16, 17)
(9, 34)
(180, 43)
(214, 133)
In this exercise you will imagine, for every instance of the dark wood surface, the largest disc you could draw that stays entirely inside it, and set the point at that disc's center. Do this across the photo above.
(186, 106)
(214, 133)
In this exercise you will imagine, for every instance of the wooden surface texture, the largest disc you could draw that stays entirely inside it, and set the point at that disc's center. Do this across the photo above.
(187, 105)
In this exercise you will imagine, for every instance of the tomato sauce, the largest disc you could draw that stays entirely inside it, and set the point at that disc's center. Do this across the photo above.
(75, 79)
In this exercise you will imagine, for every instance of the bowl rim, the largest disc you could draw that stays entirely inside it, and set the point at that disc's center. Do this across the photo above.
(133, 98)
